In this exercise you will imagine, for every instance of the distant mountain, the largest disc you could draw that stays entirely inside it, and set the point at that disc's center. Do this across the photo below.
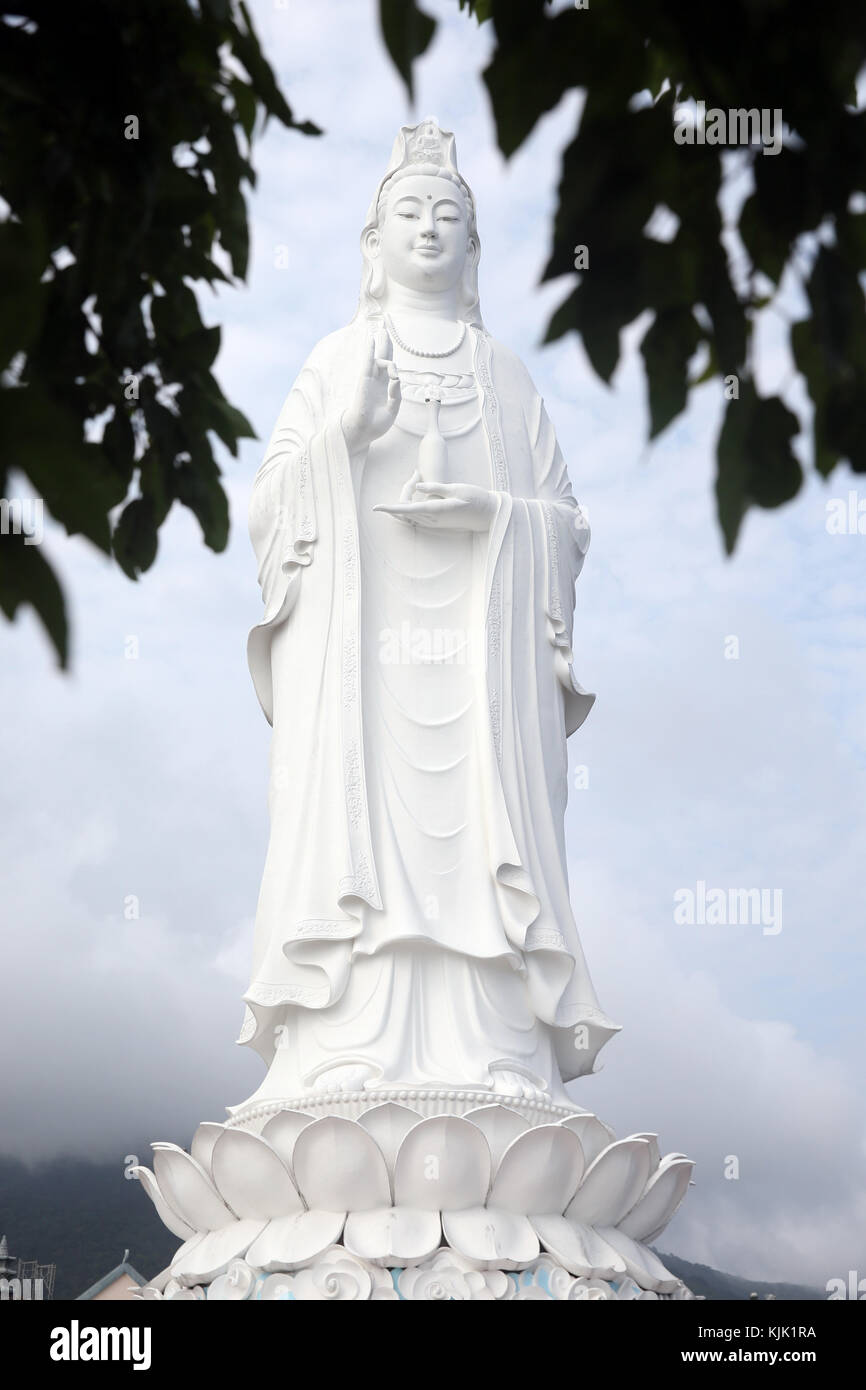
(712, 1283)
(82, 1216)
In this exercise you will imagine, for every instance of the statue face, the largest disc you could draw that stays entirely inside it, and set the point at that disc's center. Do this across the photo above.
(424, 236)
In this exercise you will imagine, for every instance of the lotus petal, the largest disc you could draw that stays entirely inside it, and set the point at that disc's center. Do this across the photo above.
(641, 1263)
(187, 1187)
(500, 1125)
(540, 1171)
(167, 1215)
(252, 1178)
(186, 1249)
(594, 1135)
(202, 1144)
(665, 1191)
(495, 1237)
(388, 1124)
(578, 1248)
(655, 1153)
(282, 1132)
(443, 1164)
(612, 1185)
(338, 1167)
(160, 1280)
(398, 1235)
(211, 1256)
(291, 1240)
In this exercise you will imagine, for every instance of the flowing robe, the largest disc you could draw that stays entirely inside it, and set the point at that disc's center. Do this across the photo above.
(321, 891)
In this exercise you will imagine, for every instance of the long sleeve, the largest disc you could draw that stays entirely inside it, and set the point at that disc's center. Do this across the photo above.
(567, 536)
(282, 519)
(282, 514)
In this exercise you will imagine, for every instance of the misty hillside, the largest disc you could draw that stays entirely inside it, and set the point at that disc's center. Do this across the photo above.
(81, 1216)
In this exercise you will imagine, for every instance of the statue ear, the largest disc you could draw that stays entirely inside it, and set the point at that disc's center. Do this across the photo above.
(469, 279)
(371, 247)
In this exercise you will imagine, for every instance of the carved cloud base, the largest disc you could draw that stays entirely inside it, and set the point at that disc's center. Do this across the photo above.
(341, 1277)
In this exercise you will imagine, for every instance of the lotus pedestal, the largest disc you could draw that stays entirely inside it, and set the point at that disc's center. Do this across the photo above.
(418, 1195)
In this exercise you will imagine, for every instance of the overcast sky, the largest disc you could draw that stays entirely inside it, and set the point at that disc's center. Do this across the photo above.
(147, 777)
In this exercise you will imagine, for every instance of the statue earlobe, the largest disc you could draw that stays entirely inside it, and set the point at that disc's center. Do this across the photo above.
(370, 246)
(376, 286)
(469, 279)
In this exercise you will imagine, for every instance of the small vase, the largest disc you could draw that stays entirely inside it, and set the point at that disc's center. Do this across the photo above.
(433, 451)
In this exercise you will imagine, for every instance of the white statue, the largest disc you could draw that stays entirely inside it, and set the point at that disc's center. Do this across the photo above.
(418, 544)
(418, 989)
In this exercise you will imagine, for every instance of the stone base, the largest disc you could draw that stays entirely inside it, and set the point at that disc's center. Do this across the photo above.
(506, 1200)
(341, 1277)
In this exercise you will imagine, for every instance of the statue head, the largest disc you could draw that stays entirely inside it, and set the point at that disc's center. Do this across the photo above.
(421, 230)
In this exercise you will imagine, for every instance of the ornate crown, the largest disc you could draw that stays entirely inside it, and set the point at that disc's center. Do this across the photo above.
(426, 144)
(422, 144)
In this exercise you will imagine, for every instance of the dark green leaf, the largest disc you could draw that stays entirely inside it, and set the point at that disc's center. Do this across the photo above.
(27, 578)
(40, 435)
(135, 539)
(22, 296)
(756, 464)
(204, 495)
(482, 9)
(407, 32)
(245, 105)
(667, 347)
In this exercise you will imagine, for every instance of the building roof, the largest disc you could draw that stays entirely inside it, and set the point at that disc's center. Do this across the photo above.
(114, 1274)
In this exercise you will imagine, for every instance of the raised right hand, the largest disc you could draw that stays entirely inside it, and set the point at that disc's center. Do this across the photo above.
(377, 396)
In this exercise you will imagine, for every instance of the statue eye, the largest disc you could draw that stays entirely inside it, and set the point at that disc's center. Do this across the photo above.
(411, 216)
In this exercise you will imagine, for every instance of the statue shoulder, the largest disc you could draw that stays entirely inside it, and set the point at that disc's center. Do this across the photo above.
(324, 371)
(510, 368)
(514, 383)
(333, 348)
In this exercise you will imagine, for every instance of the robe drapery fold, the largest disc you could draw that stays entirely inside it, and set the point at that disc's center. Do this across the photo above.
(320, 879)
